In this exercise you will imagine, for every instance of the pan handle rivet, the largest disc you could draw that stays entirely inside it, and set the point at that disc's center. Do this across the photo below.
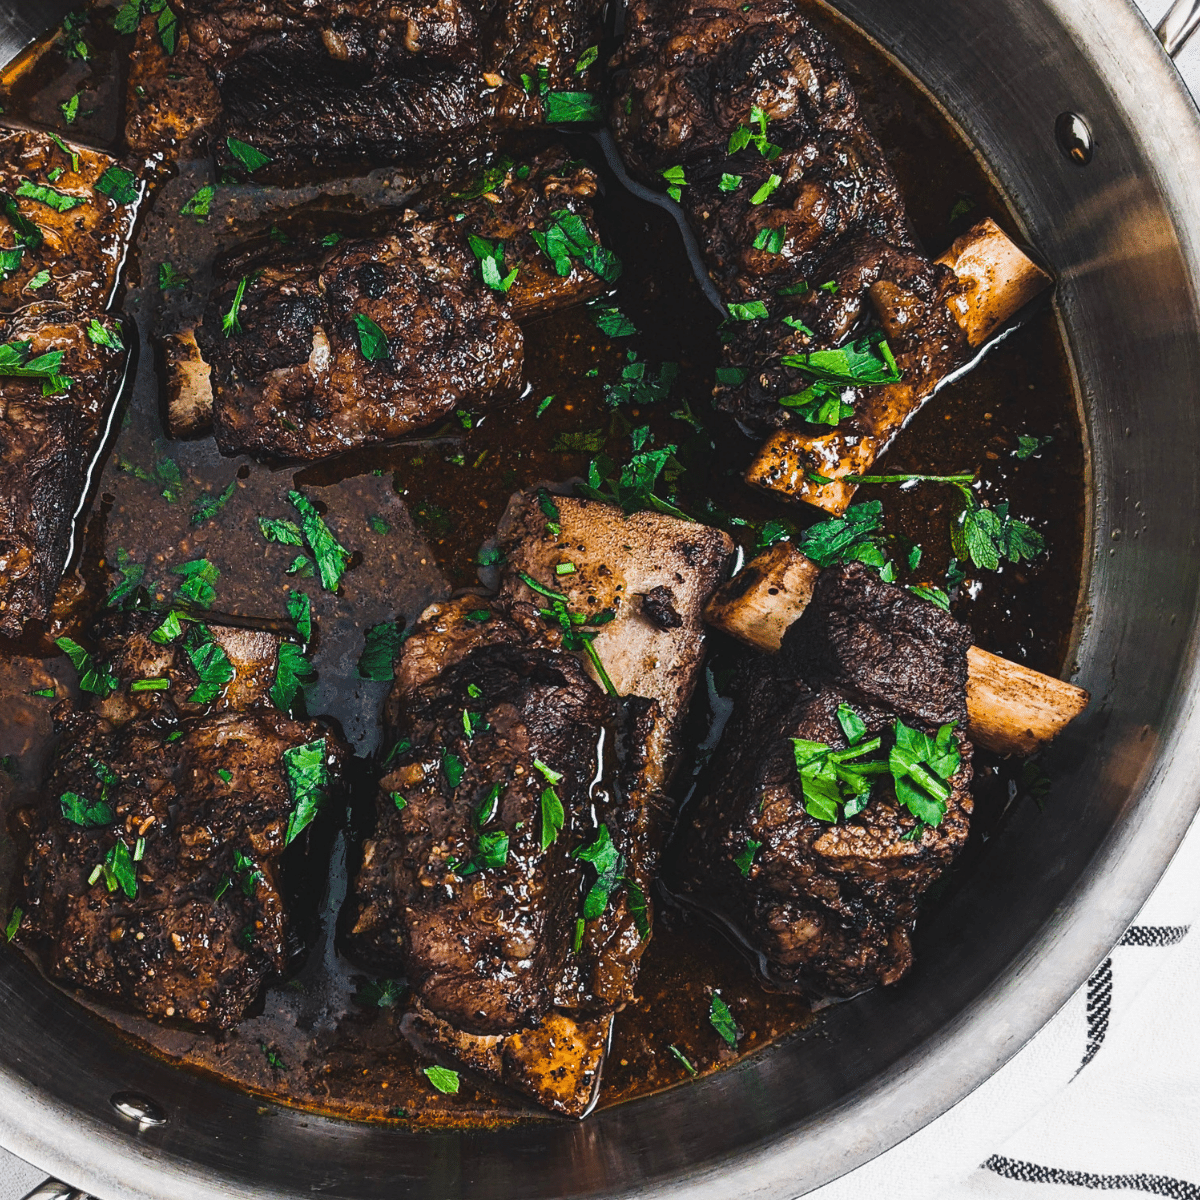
(135, 1107)
(1074, 138)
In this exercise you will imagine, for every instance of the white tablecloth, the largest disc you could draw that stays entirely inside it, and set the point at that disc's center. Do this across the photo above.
(1106, 1097)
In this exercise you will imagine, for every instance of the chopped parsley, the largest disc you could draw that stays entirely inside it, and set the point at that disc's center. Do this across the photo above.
(639, 384)
(856, 536)
(61, 202)
(754, 134)
(16, 363)
(381, 649)
(211, 664)
(756, 310)
(573, 636)
(93, 677)
(212, 505)
(100, 336)
(453, 767)
(609, 319)
(200, 205)
(442, 1078)
(283, 531)
(566, 108)
(118, 185)
(40, 280)
(379, 993)
(330, 555)
(679, 1054)
(117, 870)
(586, 59)
(293, 671)
(150, 685)
(567, 237)
(70, 109)
(608, 863)
(491, 263)
(1028, 446)
(865, 362)
(372, 341)
(14, 923)
(721, 1019)
(676, 181)
(199, 576)
(88, 814)
(633, 490)
(307, 779)
(230, 322)
(745, 860)
(770, 240)
(730, 183)
(249, 156)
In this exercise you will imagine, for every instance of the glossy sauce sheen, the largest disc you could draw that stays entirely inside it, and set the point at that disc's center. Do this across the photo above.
(320, 1042)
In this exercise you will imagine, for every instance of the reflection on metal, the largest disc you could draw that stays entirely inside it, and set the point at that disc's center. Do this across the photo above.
(54, 1189)
(145, 1112)
(31, 18)
(1178, 25)
(1074, 137)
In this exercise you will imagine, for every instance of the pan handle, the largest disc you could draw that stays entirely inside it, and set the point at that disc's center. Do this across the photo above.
(54, 1189)
(1181, 21)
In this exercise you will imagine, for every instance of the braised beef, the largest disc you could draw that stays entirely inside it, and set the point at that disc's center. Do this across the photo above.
(829, 906)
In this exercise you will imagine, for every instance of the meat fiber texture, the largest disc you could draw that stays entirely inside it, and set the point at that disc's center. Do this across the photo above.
(814, 190)
(514, 975)
(830, 907)
(48, 447)
(329, 84)
(294, 373)
(62, 243)
(202, 787)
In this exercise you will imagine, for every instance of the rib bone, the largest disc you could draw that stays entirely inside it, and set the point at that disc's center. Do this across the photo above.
(996, 280)
(1011, 709)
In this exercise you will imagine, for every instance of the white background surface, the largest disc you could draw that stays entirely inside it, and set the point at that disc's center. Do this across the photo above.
(1129, 1122)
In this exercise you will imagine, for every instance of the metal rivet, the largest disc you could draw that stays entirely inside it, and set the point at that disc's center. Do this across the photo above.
(136, 1107)
(1074, 138)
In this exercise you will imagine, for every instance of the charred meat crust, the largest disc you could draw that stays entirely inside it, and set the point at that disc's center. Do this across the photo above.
(292, 376)
(331, 84)
(687, 79)
(47, 447)
(830, 907)
(204, 793)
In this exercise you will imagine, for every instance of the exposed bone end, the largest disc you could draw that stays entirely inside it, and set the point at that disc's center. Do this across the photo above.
(1011, 709)
(557, 1063)
(998, 280)
(1014, 710)
(786, 461)
(189, 386)
(760, 602)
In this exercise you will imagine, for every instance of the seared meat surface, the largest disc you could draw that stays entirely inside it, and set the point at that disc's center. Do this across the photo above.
(155, 875)
(520, 822)
(48, 445)
(327, 84)
(299, 371)
(80, 248)
(789, 193)
(831, 905)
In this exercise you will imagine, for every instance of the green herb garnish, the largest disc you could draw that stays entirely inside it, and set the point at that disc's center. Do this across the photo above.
(249, 156)
(307, 778)
(372, 341)
(721, 1019)
(381, 649)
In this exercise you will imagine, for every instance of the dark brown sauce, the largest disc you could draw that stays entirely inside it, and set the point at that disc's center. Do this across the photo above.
(439, 498)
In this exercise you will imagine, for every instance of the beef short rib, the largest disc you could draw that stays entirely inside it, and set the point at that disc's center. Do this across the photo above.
(830, 906)
(156, 870)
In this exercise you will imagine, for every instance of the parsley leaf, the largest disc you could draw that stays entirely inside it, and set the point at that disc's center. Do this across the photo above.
(639, 384)
(230, 322)
(856, 536)
(381, 649)
(307, 778)
(756, 310)
(119, 185)
(199, 205)
(331, 556)
(553, 816)
(679, 1054)
(287, 533)
(988, 536)
(61, 202)
(249, 156)
(293, 671)
(89, 814)
(93, 677)
(16, 363)
(564, 108)
(766, 190)
(730, 183)
(211, 663)
(199, 576)
(117, 870)
(611, 320)
(213, 505)
(372, 341)
(491, 263)
(721, 1019)
(675, 178)
(608, 863)
(442, 1078)
(1029, 446)
(567, 237)
(586, 59)
(770, 240)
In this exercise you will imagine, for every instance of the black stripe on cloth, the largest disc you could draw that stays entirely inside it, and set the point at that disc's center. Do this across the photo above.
(1154, 935)
(1099, 1008)
(1156, 1185)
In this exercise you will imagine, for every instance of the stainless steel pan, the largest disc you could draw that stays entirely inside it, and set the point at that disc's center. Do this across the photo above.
(1055, 889)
